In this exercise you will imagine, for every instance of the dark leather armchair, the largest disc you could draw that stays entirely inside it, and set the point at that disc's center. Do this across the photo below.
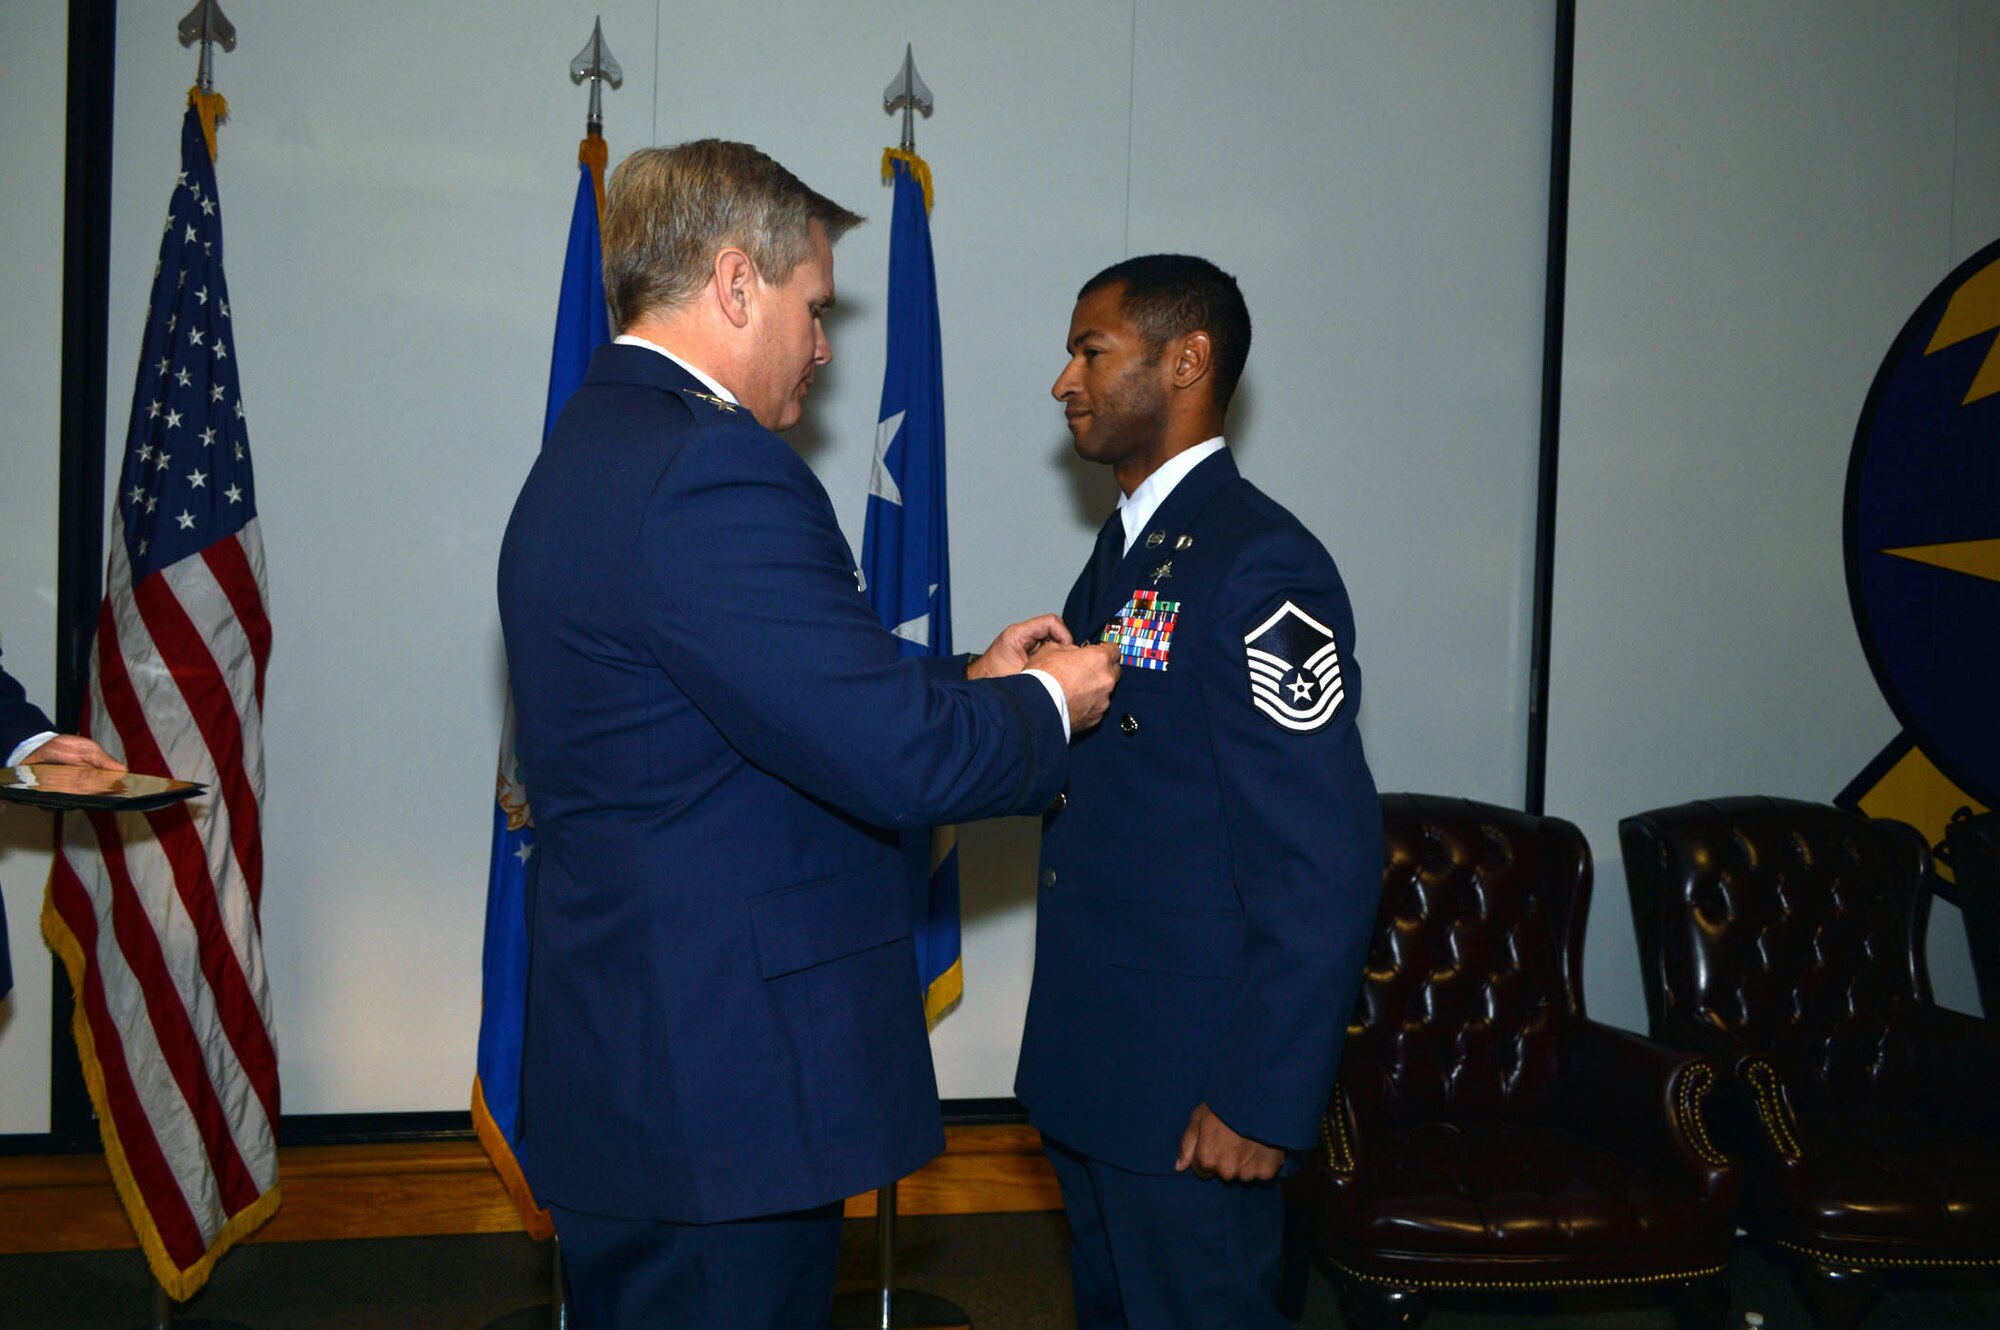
(1486, 1135)
(1973, 842)
(1786, 940)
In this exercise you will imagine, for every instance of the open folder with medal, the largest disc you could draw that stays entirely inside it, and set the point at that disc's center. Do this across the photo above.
(45, 785)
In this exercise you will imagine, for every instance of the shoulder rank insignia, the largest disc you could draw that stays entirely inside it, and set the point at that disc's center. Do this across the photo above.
(1294, 669)
(1143, 631)
(719, 403)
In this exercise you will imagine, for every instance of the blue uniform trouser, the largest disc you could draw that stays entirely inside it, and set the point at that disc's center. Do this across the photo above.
(1169, 1251)
(770, 1273)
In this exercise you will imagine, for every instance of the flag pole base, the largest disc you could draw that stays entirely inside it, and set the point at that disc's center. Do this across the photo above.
(527, 1318)
(164, 1318)
(551, 1315)
(886, 1307)
(909, 1309)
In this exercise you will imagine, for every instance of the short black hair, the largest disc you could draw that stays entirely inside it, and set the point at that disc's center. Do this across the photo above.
(1171, 295)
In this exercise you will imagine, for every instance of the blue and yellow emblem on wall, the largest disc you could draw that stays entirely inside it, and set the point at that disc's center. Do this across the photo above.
(1923, 554)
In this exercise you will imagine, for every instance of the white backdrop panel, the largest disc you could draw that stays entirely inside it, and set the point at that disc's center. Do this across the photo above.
(1377, 178)
(31, 217)
(1758, 202)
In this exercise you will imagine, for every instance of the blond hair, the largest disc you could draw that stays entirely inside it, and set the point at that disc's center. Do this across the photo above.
(669, 210)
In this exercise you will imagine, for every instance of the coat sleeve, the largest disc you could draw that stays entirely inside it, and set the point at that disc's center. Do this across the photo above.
(763, 628)
(19, 718)
(1305, 834)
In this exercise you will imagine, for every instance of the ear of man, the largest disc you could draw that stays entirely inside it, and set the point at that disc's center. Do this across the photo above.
(735, 279)
(1192, 356)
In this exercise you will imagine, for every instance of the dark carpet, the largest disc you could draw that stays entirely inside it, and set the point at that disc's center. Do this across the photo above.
(1008, 1271)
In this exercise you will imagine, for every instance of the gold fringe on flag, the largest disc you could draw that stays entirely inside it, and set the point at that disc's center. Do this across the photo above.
(541, 1225)
(213, 110)
(594, 153)
(180, 1284)
(919, 168)
(944, 994)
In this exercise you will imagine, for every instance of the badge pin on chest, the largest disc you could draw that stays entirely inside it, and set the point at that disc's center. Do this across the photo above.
(1163, 572)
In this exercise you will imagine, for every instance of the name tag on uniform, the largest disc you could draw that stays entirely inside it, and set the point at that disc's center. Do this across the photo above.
(1143, 631)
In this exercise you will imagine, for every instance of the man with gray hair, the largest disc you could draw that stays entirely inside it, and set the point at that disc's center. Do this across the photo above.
(725, 1034)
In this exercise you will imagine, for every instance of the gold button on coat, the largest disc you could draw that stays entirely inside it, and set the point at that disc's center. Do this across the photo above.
(1048, 877)
(1128, 724)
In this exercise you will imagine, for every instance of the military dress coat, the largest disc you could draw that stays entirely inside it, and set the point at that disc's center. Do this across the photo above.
(1210, 874)
(717, 739)
(20, 719)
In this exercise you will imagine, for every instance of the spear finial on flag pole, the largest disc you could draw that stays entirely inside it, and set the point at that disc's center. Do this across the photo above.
(207, 24)
(908, 93)
(596, 63)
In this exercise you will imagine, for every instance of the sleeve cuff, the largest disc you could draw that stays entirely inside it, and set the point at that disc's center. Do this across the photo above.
(1055, 695)
(34, 741)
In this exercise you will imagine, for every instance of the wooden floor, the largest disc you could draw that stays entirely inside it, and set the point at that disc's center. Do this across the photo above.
(67, 1203)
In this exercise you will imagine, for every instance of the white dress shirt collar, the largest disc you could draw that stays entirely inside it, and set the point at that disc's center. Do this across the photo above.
(627, 339)
(1137, 508)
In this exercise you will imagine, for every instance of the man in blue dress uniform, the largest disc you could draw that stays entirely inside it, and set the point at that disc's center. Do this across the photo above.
(725, 1033)
(1210, 873)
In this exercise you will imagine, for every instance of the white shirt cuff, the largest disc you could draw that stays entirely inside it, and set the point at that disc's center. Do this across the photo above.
(32, 742)
(1056, 696)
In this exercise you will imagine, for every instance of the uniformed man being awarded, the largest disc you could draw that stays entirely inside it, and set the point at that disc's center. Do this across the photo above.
(1210, 874)
(725, 1035)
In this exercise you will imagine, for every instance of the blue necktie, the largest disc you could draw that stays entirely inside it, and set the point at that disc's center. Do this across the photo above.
(1105, 558)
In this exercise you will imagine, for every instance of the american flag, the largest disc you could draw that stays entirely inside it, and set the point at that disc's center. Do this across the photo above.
(155, 914)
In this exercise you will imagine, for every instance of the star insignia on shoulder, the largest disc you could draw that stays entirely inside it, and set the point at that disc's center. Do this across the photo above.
(718, 403)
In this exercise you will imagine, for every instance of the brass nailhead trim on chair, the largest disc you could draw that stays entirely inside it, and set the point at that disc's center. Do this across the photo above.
(1339, 1151)
(1869, 1262)
(1772, 1109)
(1695, 1087)
(1529, 1285)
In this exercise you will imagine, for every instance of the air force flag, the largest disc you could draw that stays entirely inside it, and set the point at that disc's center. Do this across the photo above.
(582, 325)
(906, 570)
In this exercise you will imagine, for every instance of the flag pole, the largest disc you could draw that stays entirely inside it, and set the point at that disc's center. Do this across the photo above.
(206, 24)
(886, 1307)
(575, 340)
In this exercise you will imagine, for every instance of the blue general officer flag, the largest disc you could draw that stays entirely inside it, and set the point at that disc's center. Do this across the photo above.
(582, 325)
(903, 548)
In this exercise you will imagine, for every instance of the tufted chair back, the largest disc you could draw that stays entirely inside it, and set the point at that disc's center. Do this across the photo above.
(1476, 964)
(1792, 927)
(1974, 846)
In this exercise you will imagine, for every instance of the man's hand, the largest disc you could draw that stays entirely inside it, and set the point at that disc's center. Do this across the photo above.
(1087, 676)
(1010, 651)
(1212, 1150)
(73, 750)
